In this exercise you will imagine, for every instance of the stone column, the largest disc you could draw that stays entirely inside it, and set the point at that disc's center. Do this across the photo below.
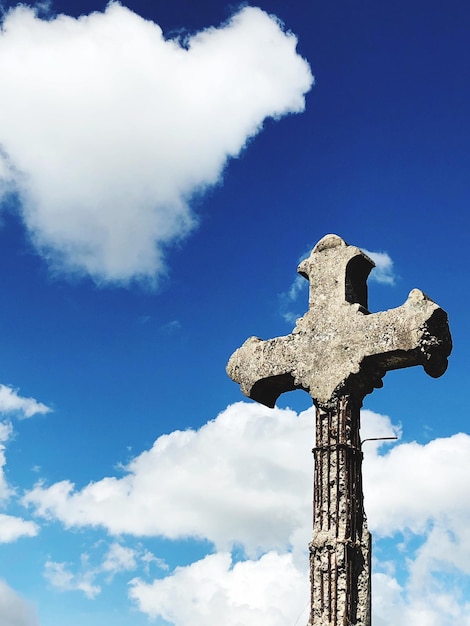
(340, 547)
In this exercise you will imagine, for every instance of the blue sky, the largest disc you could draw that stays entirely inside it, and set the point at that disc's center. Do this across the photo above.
(163, 169)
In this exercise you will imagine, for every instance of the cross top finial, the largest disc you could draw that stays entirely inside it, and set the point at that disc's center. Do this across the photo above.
(339, 347)
(336, 271)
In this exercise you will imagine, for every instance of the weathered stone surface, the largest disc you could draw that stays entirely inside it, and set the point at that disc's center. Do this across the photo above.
(340, 550)
(338, 352)
(338, 346)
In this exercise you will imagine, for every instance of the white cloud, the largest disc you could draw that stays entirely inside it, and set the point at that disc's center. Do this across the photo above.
(298, 287)
(383, 271)
(414, 485)
(375, 426)
(60, 577)
(6, 429)
(14, 610)
(12, 528)
(444, 605)
(107, 129)
(119, 558)
(147, 558)
(270, 591)
(254, 459)
(274, 590)
(12, 402)
(418, 493)
(244, 480)
(263, 471)
(116, 560)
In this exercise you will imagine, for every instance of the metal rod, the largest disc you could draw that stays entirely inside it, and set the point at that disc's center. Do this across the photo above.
(378, 439)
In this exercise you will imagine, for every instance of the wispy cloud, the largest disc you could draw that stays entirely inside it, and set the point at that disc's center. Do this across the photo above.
(291, 305)
(383, 271)
(13, 527)
(108, 129)
(119, 558)
(6, 430)
(93, 571)
(171, 328)
(289, 299)
(298, 289)
(62, 578)
(12, 402)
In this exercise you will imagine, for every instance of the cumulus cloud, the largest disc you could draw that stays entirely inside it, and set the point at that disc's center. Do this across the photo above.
(375, 429)
(107, 129)
(12, 402)
(264, 473)
(414, 485)
(417, 494)
(443, 605)
(12, 528)
(254, 458)
(274, 590)
(258, 464)
(270, 591)
(14, 610)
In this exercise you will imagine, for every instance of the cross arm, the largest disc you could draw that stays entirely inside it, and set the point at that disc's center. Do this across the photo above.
(416, 333)
(263, 369)
(349, 353)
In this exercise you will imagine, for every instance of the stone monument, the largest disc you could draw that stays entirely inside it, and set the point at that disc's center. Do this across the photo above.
(338, 352)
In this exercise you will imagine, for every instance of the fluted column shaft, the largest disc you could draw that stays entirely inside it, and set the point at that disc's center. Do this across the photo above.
(340, 546)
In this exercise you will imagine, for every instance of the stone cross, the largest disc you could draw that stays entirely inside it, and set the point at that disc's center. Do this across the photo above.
(338, 352)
